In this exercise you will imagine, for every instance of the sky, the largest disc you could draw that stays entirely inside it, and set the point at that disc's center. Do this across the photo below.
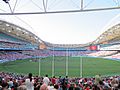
(63, 28)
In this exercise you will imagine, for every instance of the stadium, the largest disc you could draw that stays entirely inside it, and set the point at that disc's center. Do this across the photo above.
(19, 44)
(91, 66)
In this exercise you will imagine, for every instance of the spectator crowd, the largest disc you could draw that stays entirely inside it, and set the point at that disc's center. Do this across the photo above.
(12, 81)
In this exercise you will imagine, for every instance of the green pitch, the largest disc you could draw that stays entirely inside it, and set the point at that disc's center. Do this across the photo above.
(90, 66)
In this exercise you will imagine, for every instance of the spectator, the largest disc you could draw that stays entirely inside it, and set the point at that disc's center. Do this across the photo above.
(29, 82)
(53, 80)
(46, 80)
(97, 79)
(44, 87)
(4, 86)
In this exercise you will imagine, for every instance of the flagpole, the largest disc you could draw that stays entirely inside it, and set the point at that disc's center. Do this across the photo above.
(39, 68)
(81, 67)
(53, 63)
(67, 62)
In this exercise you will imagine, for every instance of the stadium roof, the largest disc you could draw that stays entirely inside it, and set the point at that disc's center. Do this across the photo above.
(59, 28)
(16, 7)
(18, 32)
(110, 34)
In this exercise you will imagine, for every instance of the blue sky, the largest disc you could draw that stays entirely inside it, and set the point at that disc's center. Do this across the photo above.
(64, 28)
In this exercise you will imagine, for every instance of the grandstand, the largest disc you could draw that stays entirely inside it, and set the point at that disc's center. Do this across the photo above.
(12, 34)
(14, 40)
(111, 35)
(17, 43)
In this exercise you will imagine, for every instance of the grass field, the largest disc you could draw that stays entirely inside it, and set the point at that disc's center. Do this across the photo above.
(91, 66)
